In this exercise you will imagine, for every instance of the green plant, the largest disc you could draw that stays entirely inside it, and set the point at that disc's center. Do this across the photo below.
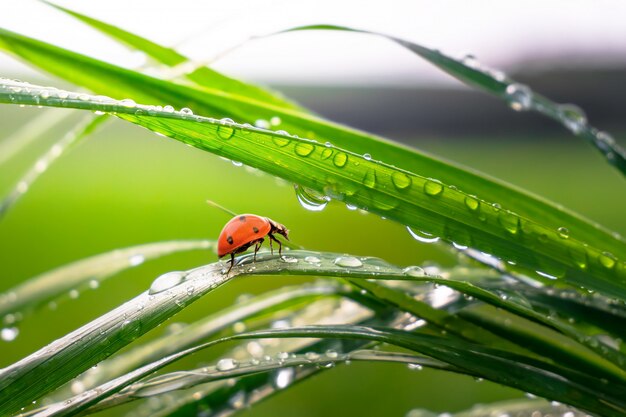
(515, 310)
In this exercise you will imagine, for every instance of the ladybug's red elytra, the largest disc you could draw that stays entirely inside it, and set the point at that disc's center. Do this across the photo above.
(245, 230)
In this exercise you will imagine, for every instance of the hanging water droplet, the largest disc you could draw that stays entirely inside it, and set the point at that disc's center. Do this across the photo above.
(226, 364)
(519, 96)
(472, 203)
(310, 199)
(369, 180)
(340, 159)
(186, 111)
(9, 334)
(167, 281)
(137, 259)
(348, 262)
(400, 180)
(422, 236)
(282, 140)
(225, 129)
(433, 187)
(304, 149)
(573, 117)
(414, 271)
(563, 232)
(607, 259)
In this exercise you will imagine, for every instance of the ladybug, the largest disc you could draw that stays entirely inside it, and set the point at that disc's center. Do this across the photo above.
(245, 230)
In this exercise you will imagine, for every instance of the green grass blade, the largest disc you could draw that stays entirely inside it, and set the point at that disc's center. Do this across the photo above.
(203, 76)
(519, 96)
(406, 197)
(69, 140)
(84, 273)
(518, 408)
(117, 82)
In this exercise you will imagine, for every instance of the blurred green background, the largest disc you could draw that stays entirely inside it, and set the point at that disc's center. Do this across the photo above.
(125, 186)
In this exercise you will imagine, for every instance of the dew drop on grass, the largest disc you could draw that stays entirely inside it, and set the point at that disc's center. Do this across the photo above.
(422, 236)
(282, 356)
(127, 102)
(332, 354)
(169, 109)
(340, 159)
(304, 149)
(563, 232)
(167, 281)
(348, 262)
(312, 356)
(605, 141)
(510, 221)
(519, 96)
(367, 157)
(607, 259)
(326, 153)
(226, 364)
(289, 259)
(472, 203)
(400, 180)
(369, 180)
(351, 207)
(414, 271)
(186, 111)
(312, 260)
(433, 187)
(573, 117)
(225, 129)
(9, 334)
(579, 256)
(282, 140)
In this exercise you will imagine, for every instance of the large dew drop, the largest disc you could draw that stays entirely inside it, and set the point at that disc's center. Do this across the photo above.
(519, 96)
(226, 364)
(573, 117)
(401, 180)
(304, 149)
(310, 199)
(348, 262)
(340, 159)
(225, 129)
(167, 281)
(433, 187)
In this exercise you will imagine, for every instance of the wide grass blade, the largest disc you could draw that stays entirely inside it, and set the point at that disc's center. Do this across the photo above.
(404, 196)
(517, 408)
(519, 96)
(85, 273)
(117, 82)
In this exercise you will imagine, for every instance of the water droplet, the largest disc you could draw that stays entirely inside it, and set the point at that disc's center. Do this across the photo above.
(239, 327)
(573, 117)
(9, 334)
(367, 157)
(237, 163)
(607, 260)
(459, 246)
(400, 180)
(326, 153)
(137, 259)
(226, 364)
(186, 111)
(414, 271)
(340, 159)
(332, 354)
(304, 149)
(433, 187)
(369, 180)
(190, 289)
(261, 123)
(127, 102)
(605, 141)
(167, 281)
(282, 356)
(519, 96)
(284, 378)
(289, 259)
(579, 256)
(282, 140)
(415, 367)
(563, 232)
(351, 207)
(312, 259)
(275, 121)
(348, 262)
(312, 356)
(310, 199)
(422, 236)
(169, 109)
(225, 129)
(510, 221)
(472, 203)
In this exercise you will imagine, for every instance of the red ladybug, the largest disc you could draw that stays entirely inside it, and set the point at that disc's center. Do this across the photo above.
(245, 230)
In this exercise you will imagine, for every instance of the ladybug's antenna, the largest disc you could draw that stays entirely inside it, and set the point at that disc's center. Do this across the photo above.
(224, 209)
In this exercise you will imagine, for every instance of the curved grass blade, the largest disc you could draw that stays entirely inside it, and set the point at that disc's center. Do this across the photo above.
(117, 82)
(88, 272)
(517, 408)
(519, 96)
(411, 199)
(69, 140)
(203, 76)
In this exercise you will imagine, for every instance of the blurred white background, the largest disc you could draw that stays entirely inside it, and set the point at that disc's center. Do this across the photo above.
(502, 34)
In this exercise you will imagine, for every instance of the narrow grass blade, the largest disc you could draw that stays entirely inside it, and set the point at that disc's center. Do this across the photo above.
(406, 197)
(203, 76)
(88, 272)
(117, 82)
(517, 408)
(43, 163)
(519, 96)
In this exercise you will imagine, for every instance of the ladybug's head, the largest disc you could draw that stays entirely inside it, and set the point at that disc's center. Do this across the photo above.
(279, 228)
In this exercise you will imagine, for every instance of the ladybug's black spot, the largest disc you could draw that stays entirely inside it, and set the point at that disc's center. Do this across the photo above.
(255, 229)
(229, 239)
(242, 218)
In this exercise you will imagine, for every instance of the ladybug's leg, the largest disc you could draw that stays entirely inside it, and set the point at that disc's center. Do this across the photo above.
(271, 247)
(280, 245)
(232, 262)
(257, 247)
